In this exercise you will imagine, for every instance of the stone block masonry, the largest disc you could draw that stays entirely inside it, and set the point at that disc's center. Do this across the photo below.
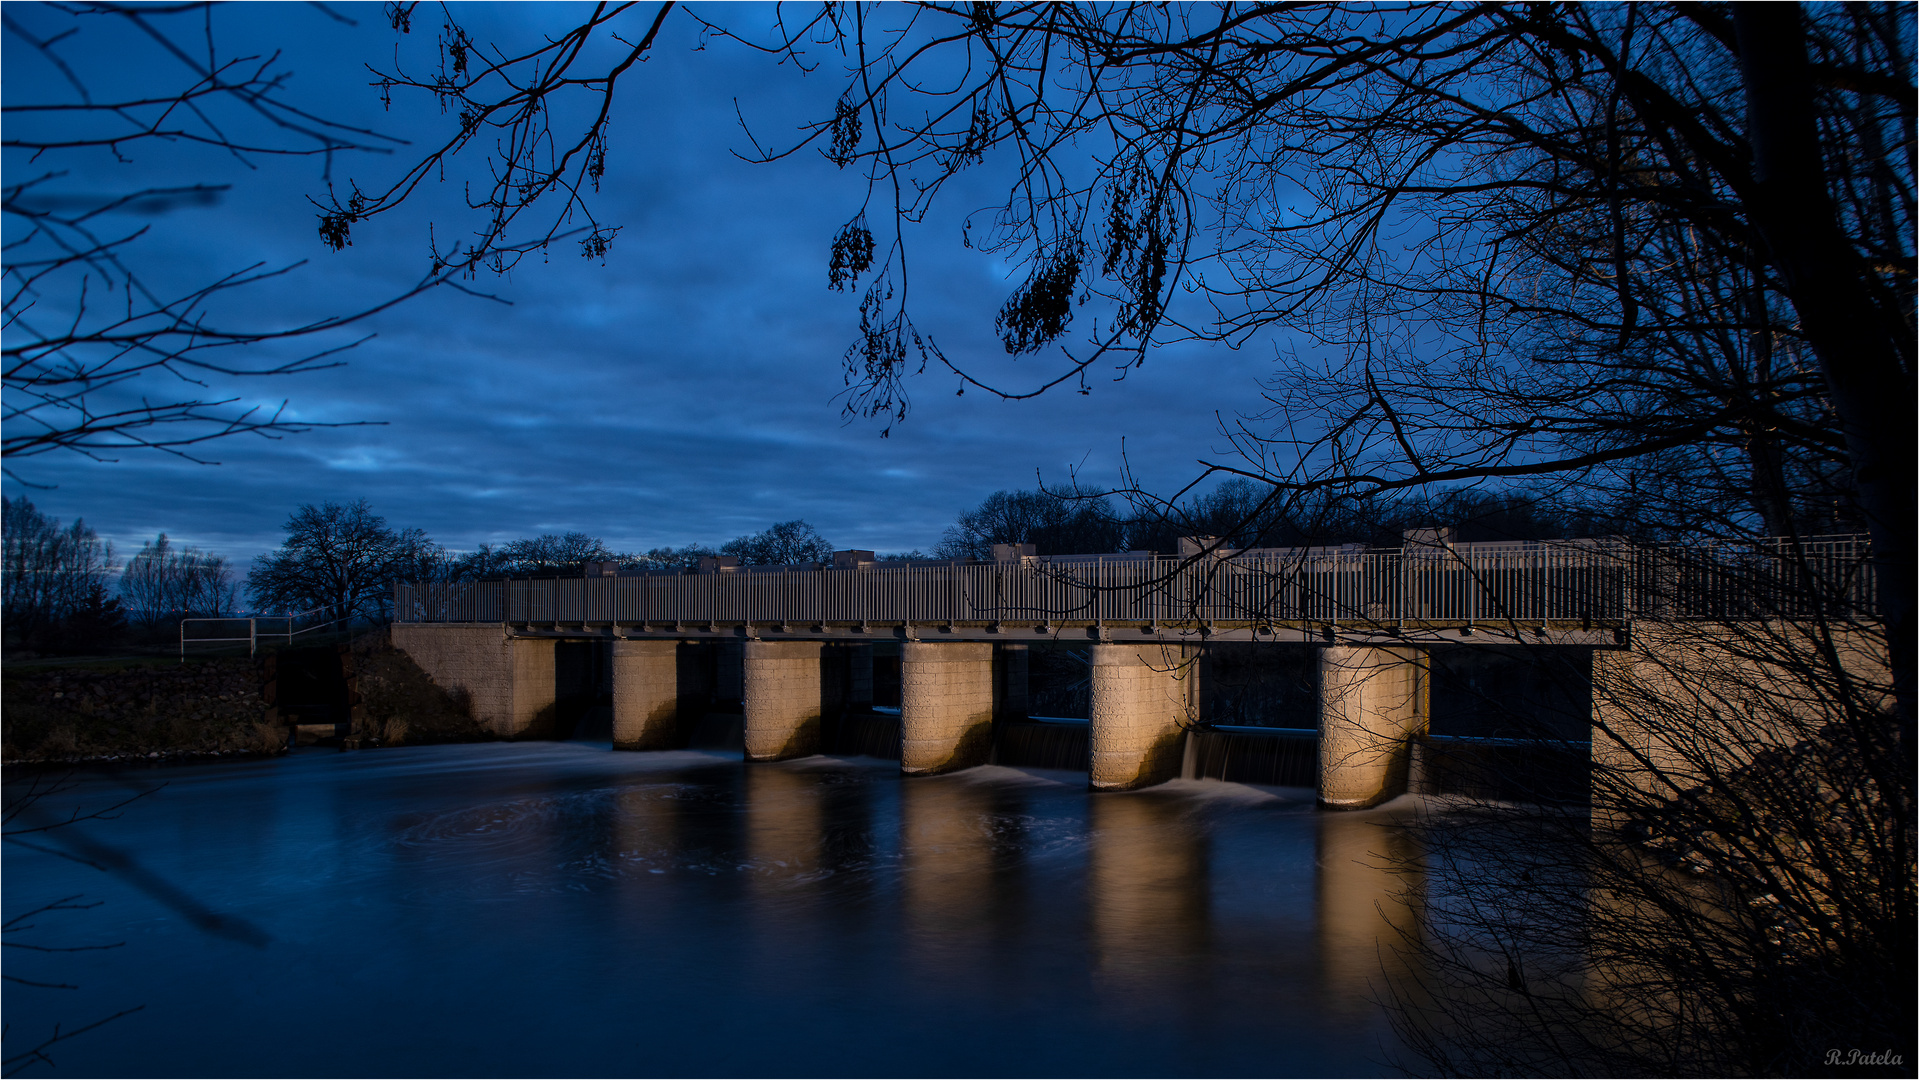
(511, 681)
(659, 690)
(1142, 705)
(1372, 701)
(781, 697)
(946, 706)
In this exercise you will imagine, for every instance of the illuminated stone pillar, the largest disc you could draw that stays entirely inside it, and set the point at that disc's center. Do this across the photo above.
(1372, 701)
(781, 699)
(1141, 703)
(946, 706)
(658, 690)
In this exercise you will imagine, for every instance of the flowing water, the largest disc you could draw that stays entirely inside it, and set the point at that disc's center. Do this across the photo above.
(561, 909)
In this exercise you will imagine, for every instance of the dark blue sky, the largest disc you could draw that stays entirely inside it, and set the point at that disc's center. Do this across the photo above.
(683, 392)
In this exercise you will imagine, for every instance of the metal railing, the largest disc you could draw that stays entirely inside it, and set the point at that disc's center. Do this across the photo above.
(1612, 581)
(288, 629)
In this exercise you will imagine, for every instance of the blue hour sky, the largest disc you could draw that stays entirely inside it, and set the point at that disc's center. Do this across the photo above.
(684, 391)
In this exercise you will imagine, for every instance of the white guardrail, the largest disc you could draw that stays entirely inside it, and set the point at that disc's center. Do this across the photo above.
(277, 627)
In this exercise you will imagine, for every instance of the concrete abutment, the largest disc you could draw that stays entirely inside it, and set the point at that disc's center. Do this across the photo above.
(511, 682)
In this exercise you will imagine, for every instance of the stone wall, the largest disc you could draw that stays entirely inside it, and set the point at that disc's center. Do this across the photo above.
(510, 681)
(1691, 702)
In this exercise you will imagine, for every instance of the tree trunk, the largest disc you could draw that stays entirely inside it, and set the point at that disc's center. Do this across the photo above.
(1862, 349)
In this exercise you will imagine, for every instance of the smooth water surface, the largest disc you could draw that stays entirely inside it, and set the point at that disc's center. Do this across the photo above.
(561, 909)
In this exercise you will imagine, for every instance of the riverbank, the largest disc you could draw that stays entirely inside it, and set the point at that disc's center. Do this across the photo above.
(209, 708)
(360, 694)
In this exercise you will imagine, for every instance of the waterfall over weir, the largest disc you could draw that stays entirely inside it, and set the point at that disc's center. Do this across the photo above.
(1510, 770)
(1043, 744)
(1279, 757)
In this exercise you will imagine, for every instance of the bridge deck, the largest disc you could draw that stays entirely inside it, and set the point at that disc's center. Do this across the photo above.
(1585, 591)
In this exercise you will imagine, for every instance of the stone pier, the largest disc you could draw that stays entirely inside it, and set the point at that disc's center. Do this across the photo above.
(781, 698)
(1142, 705)
(659, 689)
(946, 706)
(1372, 701)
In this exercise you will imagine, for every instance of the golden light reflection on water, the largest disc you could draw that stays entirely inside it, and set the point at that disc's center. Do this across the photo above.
(1366, 871)
(1146, 890)
(947, 893)
(782, 827)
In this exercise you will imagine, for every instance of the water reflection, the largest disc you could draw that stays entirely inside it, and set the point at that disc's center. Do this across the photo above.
(946, 867)
(683, 913)
(1367, 880)
(780, 826)
(1146, 890)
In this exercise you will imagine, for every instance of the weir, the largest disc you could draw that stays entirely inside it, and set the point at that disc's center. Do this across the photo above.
(791, 650)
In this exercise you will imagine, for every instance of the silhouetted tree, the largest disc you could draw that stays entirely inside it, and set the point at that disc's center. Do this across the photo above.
(1054, 524)
(51, 575)
(341, 559)
(784, 542)
(161, 583)
(667, 558)
(553, 553)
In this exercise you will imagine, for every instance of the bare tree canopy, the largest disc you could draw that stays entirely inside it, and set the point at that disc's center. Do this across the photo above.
(55, 578)
(781, 543)
(107, 349)
(341, 559)
(1664, 251)
(162, 583)
(1053, 524)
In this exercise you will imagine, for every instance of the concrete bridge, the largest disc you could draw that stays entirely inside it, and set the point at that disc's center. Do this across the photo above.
(794, 644)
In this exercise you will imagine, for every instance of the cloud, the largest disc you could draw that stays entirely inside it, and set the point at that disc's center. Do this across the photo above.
(686, 391)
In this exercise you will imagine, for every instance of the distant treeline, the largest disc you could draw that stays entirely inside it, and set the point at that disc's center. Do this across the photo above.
(1244, 514)
(64, 592)
(61, 590)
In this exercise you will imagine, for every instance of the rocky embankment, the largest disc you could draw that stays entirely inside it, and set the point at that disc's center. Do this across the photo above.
(365, 694)
(210, 708)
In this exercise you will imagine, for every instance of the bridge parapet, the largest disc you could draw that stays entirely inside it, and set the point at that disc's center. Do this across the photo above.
(1586, 588)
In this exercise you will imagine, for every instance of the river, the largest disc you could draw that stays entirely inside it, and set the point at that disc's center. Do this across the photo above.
(561, 909)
